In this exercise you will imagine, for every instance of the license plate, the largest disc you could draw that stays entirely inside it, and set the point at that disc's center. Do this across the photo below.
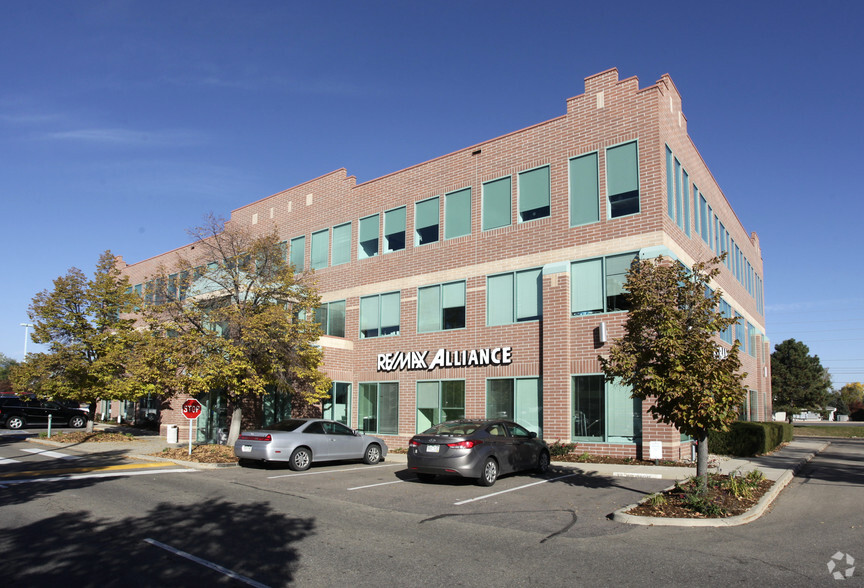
(245, 448)
(433, 448)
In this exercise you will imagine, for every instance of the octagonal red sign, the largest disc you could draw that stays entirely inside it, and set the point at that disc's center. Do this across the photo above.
(191, 409)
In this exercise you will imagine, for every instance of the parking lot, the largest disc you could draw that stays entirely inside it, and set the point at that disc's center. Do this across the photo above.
(564, 500)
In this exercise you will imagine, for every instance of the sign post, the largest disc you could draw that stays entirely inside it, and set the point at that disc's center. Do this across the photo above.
(191, 410)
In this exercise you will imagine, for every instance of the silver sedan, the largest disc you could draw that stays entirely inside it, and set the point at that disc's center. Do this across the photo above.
(301, 442)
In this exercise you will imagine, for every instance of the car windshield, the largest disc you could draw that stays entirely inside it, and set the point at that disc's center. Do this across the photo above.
(452, 429)
(289, 425)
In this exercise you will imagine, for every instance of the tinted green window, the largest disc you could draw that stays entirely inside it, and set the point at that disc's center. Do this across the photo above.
(331, 317)
(426, 218)
(298, 253)
(534, 190)
(441, 307)
(457, 214)
(379, 315)
(586, 287)
(439, 401)
(368, 237)
(516, 399)
(337, 406)
(584, 190)
(320, 248)
(670, 186)
(341, 244)
(378, 408)
(622, 180)
(685, 196)
(394, 230)
(514, 297)
(604, 412)
(496, 203)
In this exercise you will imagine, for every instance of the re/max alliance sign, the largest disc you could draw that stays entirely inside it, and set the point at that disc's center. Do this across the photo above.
(416, 360)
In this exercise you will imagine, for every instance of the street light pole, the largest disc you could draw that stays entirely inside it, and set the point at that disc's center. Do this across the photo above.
(26, 327)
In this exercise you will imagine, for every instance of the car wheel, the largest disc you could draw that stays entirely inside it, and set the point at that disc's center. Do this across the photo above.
(372, 455)
(490, 472)
(244, 463)
(543, 462)
(76, 422)
(15, 422)
(426, 477)
(300, 460)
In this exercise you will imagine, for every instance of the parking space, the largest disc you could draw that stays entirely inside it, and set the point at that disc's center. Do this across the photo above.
(564, 499)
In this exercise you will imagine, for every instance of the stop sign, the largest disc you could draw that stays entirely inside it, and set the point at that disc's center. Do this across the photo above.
(191, 409)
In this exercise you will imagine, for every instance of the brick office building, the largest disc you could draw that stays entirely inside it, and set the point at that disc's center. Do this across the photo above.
(487, 281)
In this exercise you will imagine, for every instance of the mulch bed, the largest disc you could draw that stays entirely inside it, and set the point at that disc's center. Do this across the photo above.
(201, 454)
(588, 458)
(674, 502)
(85, 437)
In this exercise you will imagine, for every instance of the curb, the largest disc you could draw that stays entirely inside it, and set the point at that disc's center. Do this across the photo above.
(753, 513)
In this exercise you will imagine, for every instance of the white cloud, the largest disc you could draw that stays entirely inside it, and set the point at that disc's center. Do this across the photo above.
(119, 136)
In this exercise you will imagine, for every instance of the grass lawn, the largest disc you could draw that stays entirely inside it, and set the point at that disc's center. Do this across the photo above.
(848, 431)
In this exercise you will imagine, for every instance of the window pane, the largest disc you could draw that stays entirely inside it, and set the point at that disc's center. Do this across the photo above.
(670, 186)
(320, 248)
(394, 229)
(426, 222)
(341, 244)
(336, 319)
(534, 194)
(529, 295)
(588, 408)
(527, 396)
(616, 275)
(584, 190)
(622, 180)
(496, 203)
(499, 300)
(369, 316)
(368, 237)
(298, 253)
(388, 408)
(367, 408)
(453, 400)
(428, 413)
(624, 415)
(429, 309)
(499, 399)
(390, 313)
(685, 196)
(586, 287)
(453, 305)
(679, 217)
(457, 214)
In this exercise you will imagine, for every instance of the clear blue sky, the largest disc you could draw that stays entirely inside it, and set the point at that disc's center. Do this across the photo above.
(122, 123)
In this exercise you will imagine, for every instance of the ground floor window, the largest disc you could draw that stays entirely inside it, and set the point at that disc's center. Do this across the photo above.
(275, 407)
(378, 408)
(212, 425)
(517, 399)
(604, 412)
(105, 409)
(439, 401)
(338, 406)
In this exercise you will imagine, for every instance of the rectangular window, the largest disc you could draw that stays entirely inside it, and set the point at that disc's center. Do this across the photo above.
(515, 399)
(685, 196)
(751, 340)
(739, 332)
(379, 315)
(697, 217)
(426, 219)
(622, 179)
(394, 230)
(703, 217)
(584, 190)
(604, 412)
(496, 203)
(670, 185)
(457, 213)
(337, 406)
(320, 249)
(341, 252)
(597, 285)
(514, 297)
(534, 194)
(439, 401)
(679, 215)
(441, 307)
(298, 253)
(368, 237)
(331, 317)
(378, 408)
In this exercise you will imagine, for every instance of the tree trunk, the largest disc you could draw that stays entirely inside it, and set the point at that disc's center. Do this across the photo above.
(702, 461)
(92, 420)
(236, 419)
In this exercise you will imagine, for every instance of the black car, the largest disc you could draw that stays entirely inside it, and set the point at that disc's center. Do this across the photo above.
(481, 449)
(17, 412)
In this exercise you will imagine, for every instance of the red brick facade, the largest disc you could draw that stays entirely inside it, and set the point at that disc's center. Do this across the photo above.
(557, 347)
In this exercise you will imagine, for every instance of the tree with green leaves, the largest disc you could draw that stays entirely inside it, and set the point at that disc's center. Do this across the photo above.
(88, 342)
(233, 315)
(669, 351)
(850, 395)
(6, 364)
(798, 380)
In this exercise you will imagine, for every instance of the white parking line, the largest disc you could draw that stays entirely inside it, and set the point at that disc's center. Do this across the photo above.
(206, 564)
(4, 460)
(374, 485)
(386, 465)
(514, 489)
(47, 453)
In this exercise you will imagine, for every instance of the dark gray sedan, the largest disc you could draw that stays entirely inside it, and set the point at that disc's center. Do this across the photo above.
(301, 442)
(482, 449)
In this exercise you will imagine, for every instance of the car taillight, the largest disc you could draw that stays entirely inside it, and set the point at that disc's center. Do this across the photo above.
(414, 443)
(464, 444)
(249, 437)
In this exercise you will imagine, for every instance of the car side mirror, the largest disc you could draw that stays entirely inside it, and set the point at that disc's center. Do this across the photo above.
(357, 433)
(532, 435)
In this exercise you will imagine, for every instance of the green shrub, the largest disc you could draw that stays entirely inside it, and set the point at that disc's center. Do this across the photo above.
(746, 439)
(558, 449)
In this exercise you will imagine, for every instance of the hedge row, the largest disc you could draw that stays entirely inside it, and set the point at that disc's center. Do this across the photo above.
(746, 439)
